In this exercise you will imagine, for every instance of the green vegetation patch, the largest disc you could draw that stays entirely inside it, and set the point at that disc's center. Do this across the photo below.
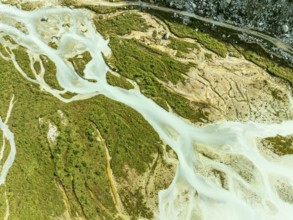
(37, 67)
(149, 67)
(99, 9)
(3, 51)
(119, 81)
(31, 190)
(73, 170)
(222, 40)
(205, 39)
(281, 71)
(280, 145)
(182, 46)
(133, 206)
(80, 167)
(181, 30)
(50, 73)
(233, 52)
(2, 200)
(53, 45)
(80, 158)
(80, 61)
(28, 6)
(260, 58)
(68, 95)
(121, 24)
(131, 148)
(9, 39)
(23, 60)
(208, 56)
(133, 58)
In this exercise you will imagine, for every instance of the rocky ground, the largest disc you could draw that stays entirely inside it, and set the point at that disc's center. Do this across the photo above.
(273, 17)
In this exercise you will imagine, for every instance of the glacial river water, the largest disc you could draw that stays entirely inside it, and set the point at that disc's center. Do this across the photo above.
(190, 194)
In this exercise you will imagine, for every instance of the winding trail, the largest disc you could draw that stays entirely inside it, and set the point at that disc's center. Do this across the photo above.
(191, 195)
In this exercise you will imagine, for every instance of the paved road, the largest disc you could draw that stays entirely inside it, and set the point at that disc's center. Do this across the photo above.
(275, 41)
